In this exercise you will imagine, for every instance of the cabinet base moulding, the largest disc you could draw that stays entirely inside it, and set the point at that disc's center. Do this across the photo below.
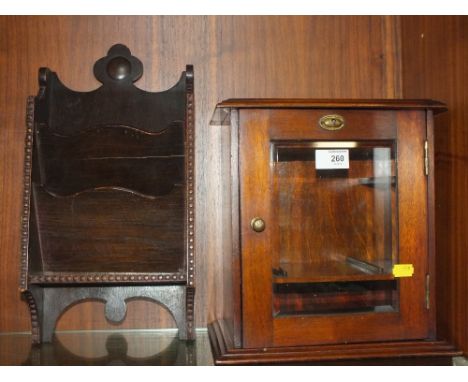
(422, 352)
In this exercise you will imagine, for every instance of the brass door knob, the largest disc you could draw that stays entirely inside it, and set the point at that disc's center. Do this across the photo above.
(257, 224)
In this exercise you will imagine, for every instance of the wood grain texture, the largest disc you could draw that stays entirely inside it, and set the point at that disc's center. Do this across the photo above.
(111, 231)
(255, 200)
(434, 56)
(320, 57)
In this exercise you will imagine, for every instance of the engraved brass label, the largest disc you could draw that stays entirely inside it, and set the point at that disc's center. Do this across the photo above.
(331, 122)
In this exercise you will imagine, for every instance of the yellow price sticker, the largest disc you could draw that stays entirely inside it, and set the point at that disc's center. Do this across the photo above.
(403, 270)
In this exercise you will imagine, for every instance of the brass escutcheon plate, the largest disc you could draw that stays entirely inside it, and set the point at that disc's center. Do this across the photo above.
(332, 122)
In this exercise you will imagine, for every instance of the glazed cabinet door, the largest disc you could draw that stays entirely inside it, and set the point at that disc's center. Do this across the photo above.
(333, 226)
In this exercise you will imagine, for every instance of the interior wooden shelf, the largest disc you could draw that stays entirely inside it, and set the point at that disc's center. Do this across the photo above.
(373, 181)
(329, 271)
(378, 181)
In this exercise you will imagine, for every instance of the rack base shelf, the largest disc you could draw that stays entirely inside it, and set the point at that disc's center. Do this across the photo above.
(47, 303)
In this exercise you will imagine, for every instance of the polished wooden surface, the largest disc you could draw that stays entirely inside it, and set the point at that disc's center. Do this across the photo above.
(434, 56)
(322, 57)
(383, 104)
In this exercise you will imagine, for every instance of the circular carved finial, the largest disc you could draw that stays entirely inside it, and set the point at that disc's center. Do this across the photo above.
(119, 67)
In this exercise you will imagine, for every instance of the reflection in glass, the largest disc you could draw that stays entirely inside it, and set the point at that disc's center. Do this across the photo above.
(92, 348)
(336, 228)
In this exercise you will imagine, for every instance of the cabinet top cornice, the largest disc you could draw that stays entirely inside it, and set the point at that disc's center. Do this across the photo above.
(306, 103)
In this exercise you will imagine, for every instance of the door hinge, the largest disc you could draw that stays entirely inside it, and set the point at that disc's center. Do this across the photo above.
(428, 293)
(426, 158)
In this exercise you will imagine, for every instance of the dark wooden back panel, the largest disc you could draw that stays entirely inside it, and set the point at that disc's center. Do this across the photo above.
(150, 164)
(110, 231)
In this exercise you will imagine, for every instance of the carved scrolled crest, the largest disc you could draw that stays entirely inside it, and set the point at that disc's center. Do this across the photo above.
(117, 102)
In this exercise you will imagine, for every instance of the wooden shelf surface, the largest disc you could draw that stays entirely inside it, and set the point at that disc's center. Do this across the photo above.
(329, 271)
(378, 181)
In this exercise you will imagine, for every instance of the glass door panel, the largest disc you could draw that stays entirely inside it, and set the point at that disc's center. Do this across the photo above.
(335, 205)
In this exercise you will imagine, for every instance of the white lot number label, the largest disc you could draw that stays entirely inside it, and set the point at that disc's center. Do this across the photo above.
(333, 159)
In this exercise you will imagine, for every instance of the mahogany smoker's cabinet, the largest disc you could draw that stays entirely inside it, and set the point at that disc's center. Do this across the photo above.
(328, 231)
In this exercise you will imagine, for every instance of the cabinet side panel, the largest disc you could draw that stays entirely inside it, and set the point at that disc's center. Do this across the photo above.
(412, 216)
(431, 282)
(223, 198)
(235, 259)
